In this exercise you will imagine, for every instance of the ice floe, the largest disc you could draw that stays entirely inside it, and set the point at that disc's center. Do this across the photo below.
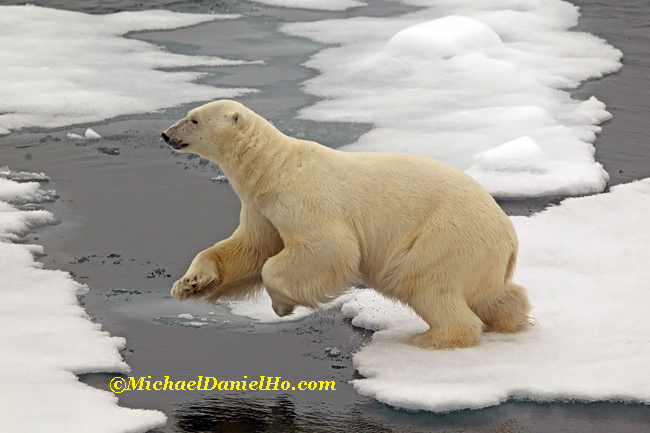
(324, 5)
(47, 337)
(584, 264)
(61, 68)
(461, 78)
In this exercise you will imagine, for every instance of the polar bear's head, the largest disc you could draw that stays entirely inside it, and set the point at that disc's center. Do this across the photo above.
(207, 130)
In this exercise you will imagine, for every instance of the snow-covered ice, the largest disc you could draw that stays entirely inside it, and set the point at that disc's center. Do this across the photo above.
(327, 5)
(585, 265)
(22, 176)
(480, 85)
(485, 86)
(259, 308)
(460, 78)
(47, 338)
(62, 68)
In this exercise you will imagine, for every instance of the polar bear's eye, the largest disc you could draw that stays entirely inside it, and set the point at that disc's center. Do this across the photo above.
(194, 121)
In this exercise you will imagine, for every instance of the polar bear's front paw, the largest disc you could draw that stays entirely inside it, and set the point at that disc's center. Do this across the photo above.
(190, 285)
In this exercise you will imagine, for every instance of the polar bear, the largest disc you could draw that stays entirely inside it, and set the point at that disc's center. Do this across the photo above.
(314, 220)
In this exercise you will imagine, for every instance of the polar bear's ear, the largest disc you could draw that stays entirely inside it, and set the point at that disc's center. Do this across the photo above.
(236, 117)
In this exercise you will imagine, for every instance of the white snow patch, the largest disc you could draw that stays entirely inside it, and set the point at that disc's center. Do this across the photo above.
(73, 136)
(61, 67)
(521, 168)
(259, 308)
(22, 176)
(462, 77)
(91, 135)
(324, 5)
(585, 265)
(15, 192)
(47, 338)
(443, 38)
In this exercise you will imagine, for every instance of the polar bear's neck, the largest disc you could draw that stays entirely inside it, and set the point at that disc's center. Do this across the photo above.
(257, 155)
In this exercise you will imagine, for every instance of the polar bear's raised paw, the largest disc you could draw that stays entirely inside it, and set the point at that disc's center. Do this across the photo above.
(190, 285)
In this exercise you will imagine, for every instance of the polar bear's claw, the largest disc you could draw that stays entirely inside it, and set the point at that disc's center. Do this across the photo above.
(189, 286)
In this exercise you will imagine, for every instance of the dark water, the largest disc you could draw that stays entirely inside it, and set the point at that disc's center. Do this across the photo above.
(131, 223)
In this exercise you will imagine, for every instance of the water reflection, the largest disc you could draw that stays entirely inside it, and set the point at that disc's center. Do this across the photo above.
(280, 414)
(236, 414)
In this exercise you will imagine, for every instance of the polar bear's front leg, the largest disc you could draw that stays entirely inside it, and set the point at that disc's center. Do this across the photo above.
(232, 268)
(201, 273)
(313, 272)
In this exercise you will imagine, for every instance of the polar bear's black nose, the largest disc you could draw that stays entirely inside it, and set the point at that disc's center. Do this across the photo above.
(165, 137)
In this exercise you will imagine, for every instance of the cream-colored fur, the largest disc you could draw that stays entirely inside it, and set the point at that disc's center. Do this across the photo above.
(314, 220)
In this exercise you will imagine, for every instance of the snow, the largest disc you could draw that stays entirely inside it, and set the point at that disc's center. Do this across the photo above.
(259, 308)
(459, 79)
(324, 5)
(443, 38)
(91, 135)
(584, 264)
(22, 176)
(62, 68)
(47, 338)
(480, 85)
(519, 166)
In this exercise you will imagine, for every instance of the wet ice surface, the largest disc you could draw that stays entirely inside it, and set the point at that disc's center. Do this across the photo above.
(137, 196)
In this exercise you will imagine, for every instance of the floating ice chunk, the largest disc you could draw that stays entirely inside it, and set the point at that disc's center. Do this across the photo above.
(585, 265)
(187, 316)
(73, 136)
(195, 324)
(443, 38)
(325, 5)
(91, 135)
(219, 179)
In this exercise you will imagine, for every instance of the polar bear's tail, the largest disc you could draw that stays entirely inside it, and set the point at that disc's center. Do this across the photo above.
(510, 269)
(506, 309)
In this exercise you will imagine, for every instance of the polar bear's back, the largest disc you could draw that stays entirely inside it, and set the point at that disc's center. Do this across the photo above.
(405, 203)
